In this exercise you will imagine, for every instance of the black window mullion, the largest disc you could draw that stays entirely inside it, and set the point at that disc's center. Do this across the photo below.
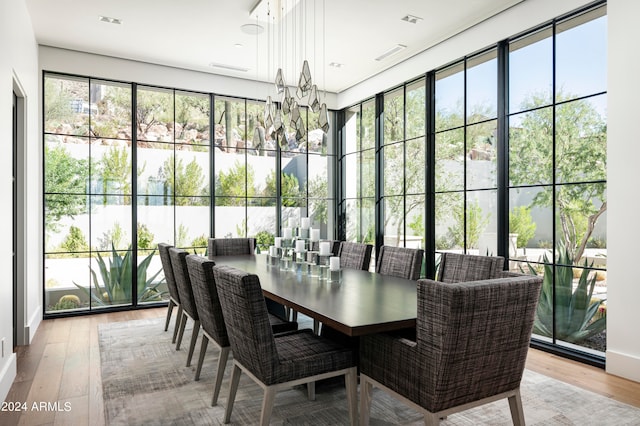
(503, 151)
(430, 178)
(134, 194)
(212, 163)
(379, 171)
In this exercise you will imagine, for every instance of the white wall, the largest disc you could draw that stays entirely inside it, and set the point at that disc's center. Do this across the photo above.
(19, 63)
(623, 230)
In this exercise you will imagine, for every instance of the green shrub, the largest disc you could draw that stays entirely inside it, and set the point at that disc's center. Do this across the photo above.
(75, 241)
(520, 223)
(145, 237)
(264, 239)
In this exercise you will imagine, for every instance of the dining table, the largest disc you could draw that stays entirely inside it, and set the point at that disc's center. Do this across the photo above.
(359, 303)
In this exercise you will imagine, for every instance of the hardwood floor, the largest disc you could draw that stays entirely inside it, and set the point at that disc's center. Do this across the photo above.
(62, 367)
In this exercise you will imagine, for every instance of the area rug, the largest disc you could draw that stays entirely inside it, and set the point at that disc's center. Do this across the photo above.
(145, 382)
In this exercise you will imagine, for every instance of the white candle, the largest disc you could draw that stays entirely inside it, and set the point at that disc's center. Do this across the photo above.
(334, 263)
(273, 251)
(300, 246)
(324, 248)
(305, 223)
(287, 233)
(278, 242)
(315, 234)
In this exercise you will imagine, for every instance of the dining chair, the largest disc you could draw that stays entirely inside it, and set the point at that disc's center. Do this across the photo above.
(470, 349)
(189, 310)
(400, 262)
(275, 362)
(214, 328)
(174, 297)
(457, 267)
(355, 255)
(231, 246)
(238, 246)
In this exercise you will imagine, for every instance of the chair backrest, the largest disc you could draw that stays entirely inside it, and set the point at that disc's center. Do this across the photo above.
(167, 268)
(355, 255)
(183, 282)
(473, 337)
(245, 315)
(231, 246)
(456, 267)
(206, 298)
(400, 262)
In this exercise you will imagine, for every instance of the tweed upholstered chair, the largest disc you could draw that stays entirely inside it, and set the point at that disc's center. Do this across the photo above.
(355, 255)
(400, 262)
(275, 362)
(187, 301)
(456, 267)
(212, 322)
(174, 297)
(237, 246)
(231, 246)
(471, 346)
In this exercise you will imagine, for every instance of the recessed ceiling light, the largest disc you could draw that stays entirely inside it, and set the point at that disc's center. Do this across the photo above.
(252, 29)
(392, 51)
(110, 20)
(336, 65)
(228, 67)
(238, 45)
(412, 19)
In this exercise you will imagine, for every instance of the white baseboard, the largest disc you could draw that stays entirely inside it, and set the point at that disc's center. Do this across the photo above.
(623, 365)
(32, 325)
(7, 375)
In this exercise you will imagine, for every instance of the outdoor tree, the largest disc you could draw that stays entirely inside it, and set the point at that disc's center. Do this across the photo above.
(152, 107)
(234, 185)
(580, 162)
(290, 188)
(114, 172)
(65, 178)
(184, 182)
(192, 111)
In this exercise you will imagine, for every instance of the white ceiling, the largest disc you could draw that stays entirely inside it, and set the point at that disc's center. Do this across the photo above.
(192, 34)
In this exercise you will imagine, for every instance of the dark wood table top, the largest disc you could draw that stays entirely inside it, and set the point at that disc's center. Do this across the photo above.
(362, 303)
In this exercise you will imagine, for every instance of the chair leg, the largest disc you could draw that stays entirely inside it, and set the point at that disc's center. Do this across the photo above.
(183, 323)
(351, 384)
(517, 412)
(177, 326)
(316, 327)
(169, 311)
(233, 388)
(311, 391)
(431, 419)
(267, 405)
(203, 350)
(222, 363)
(194, 338)
(365, 400)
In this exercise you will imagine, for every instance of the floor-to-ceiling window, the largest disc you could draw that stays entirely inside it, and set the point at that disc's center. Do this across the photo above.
(128, 166)
(359, 172)
(557, 174)
(403, 165)
(519, 168)
(465, 147)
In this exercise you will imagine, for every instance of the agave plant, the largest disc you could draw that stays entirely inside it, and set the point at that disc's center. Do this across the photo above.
(117, 283)
(575, 310)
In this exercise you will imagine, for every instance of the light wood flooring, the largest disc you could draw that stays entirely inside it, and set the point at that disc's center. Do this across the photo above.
(62, 366)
